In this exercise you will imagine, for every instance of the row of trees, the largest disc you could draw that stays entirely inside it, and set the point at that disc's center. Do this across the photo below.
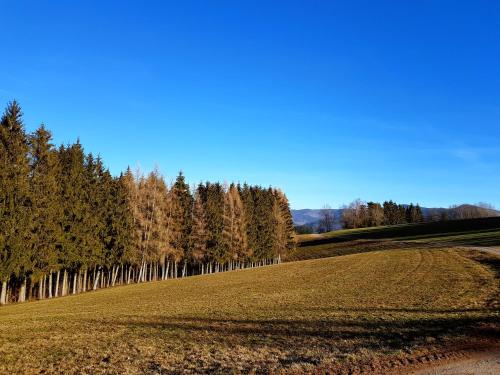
(67, 225)
(360, 214)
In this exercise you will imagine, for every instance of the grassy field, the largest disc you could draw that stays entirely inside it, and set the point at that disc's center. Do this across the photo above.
(351, 312)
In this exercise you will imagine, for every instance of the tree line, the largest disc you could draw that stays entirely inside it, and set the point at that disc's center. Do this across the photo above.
(360, 214)
(68, 226)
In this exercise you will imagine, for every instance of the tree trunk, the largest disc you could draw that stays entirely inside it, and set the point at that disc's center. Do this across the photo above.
(56, 292)
(184, 268)
(79, 287)
(75, 277)
(30, 290)
(40, 288)
(65, 275)
(50, 284)
(22, 292)
(139, 278)
(96, 280)
(84, 286)
(3, 294)
(44, 286)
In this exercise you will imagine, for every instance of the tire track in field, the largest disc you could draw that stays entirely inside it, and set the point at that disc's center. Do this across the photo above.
(383, 265)
(428, 262)
(345, 276)
(399, 287)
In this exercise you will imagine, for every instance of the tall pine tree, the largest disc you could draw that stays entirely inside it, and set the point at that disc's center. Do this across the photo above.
(15, 210)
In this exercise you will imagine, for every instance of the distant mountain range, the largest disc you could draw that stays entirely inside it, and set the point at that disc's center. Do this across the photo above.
(312, 216)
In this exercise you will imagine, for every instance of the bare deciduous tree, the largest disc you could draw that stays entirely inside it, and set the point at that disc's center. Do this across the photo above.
(327, 220)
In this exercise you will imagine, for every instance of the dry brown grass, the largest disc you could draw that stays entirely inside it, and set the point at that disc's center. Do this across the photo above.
(296, 317)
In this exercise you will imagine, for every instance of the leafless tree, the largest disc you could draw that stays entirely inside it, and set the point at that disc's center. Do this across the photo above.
(327, 220)
(355, 215)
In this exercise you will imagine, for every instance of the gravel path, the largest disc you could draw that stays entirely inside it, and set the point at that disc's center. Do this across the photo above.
(491, 250)
(487, 363)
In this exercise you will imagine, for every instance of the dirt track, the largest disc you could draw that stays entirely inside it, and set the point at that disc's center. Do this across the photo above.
(487, 363)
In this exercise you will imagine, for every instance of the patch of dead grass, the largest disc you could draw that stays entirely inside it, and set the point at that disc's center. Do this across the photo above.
(295, 317)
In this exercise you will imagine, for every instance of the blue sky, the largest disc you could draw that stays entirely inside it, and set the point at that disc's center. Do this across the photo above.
(330, 101)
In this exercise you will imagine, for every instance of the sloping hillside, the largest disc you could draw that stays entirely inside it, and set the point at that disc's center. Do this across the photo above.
(337, 313)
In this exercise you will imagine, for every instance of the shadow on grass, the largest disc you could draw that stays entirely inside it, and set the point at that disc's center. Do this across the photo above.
(490, 261)
(348, 248)
(342, 334)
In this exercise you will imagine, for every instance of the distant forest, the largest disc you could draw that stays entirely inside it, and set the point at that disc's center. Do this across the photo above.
(68, 226)
(361, 214)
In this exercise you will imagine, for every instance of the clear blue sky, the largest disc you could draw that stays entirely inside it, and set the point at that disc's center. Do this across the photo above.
(330, 101)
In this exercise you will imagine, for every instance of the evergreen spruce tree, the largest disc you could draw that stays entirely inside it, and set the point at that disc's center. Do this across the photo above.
(46, 208)
(76, 222)
(175, 228)
(409, 213)
(214, 209)
(95, 211)
(185, 200)
(15, 212)
(199, 234)
(391, 213)
(401, 214)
